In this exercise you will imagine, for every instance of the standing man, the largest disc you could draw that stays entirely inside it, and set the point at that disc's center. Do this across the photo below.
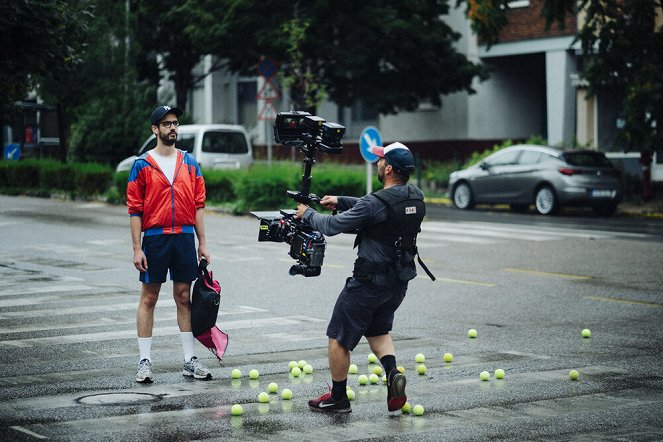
(166, 198)
(387, 222)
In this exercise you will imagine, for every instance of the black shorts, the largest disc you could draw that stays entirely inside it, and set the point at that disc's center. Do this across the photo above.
(364, 309)
(176, 253)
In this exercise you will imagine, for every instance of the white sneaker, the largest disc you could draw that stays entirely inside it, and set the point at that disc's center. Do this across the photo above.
(144, 373)
(196, 369)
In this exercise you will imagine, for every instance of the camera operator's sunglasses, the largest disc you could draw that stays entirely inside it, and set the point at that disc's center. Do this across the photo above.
(168, 124)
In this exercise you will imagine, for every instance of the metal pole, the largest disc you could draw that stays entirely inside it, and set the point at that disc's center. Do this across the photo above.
(369, 177)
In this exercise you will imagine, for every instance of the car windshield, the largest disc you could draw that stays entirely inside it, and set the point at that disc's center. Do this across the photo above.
(587, 159)
(224, 142)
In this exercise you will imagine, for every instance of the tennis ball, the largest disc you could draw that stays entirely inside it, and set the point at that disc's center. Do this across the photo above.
(499, 374)
(574, 375)
(484, 375)
(373, 378)
(586, 333)
(352, 369)
(236, 373)
(292, 364)
(372, 359)
(301, 364)
(296, 372)
(254, 374)
(419, 358)
(377, 370)
(236, 410)
(421, 369)
(362, 379)
(401, 368)
(273, 387)
(351, 395)
(472, 333)
(286, 394)
(263, 397)
(308, 369)
(384, 379)
(406, 408)
(418, 410)
(448, 357)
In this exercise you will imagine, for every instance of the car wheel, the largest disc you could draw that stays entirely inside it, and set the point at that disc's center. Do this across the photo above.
(605, 210)
(546, 201)
(518, 208)
(462, 196)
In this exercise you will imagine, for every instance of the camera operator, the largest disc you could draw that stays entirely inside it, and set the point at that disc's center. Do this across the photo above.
(387, 222)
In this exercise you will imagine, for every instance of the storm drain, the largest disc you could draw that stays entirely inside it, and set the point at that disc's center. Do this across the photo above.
(118, 399)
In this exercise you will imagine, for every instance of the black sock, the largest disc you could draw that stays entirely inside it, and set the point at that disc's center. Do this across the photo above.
(389, 363)
(339, 389)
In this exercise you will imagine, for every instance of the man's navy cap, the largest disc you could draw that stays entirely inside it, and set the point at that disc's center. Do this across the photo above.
(398, 155)
(161, 111)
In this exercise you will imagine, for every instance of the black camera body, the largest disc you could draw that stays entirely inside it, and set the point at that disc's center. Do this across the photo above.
(309, 133)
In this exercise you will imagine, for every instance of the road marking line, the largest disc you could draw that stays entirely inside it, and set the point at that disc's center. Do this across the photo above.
(460, 281)
(536, 272)
(28, 432)
(51, 289)
(625, 301)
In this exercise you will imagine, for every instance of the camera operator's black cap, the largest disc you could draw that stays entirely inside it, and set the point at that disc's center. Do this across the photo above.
(161, 111)
(397, 155)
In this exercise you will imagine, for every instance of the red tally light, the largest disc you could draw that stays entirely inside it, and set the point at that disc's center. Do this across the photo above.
(568, 171)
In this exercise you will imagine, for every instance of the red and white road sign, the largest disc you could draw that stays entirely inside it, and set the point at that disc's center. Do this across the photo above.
(268, 111)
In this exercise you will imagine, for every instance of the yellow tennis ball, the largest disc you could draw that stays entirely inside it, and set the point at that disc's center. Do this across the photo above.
(362, 379)
(286, 394)
(406, 408)
(372, 359)
(377, 370)
(484, 375)
(448, 357)
(586, 333)
(301, 364)
(384, 379)
(421, 369)
(574, 375)
(419, 358)
(401, 368)
(418, 410)
(236, 373)
(472, 333)
(254, 374)
(296, 372)
(373, 378)
(273, 387)
(351, 394)
(499, 374)
(236, 410)
(263, 397)
(352, 369)
(292, 364)
(308, 369)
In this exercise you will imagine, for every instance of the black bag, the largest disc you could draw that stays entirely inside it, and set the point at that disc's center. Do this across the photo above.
(205, 300)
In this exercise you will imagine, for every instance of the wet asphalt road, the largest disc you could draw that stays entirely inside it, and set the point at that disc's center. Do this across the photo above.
(527, 284)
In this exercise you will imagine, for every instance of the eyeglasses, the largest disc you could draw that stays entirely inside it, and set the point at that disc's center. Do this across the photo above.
(168, 124)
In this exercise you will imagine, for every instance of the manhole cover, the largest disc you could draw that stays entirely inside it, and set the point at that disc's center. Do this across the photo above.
(118, 399)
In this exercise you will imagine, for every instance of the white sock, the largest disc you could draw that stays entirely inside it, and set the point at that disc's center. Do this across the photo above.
(187, 345)
(144, 348)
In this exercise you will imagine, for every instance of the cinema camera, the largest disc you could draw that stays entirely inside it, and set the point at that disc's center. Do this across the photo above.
(310, 134)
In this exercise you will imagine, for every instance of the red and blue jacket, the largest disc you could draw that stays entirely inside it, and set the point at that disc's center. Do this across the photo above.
(166, 208)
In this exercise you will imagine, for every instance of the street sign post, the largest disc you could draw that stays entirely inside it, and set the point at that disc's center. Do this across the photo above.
(269, 93)
(369, 137)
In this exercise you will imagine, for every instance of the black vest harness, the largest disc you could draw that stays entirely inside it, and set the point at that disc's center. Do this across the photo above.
(401, 227)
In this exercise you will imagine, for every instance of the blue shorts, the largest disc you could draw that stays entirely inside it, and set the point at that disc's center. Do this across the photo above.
(176, 253)
(364, 309)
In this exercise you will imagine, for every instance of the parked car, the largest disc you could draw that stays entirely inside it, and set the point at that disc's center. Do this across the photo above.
(215, 146)
(547, 177)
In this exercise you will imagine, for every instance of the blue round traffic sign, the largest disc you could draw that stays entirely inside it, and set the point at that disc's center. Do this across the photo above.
(12, 152)
(369, 137)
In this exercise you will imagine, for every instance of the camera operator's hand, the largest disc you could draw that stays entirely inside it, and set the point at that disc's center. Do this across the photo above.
(301, 208)
(329, 202)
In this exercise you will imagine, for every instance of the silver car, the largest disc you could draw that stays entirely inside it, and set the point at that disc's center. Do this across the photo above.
(549, 178)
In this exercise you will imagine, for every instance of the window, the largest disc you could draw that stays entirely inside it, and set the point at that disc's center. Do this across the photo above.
(504, 158)
(530, 157)
(224, 142)
(587, 159)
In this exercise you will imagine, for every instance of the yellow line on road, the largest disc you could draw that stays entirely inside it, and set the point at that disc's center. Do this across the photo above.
(536, 272)
(625, 301)
(459, 281)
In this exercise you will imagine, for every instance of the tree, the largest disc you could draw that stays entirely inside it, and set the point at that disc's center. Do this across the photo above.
(390, 54)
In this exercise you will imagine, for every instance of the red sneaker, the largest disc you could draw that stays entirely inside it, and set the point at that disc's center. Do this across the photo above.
(327, 404)
(396, 391)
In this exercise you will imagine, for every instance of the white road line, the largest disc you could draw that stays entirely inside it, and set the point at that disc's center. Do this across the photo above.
(28, 432)
(48, 289)
(489, 232)
(158, 331)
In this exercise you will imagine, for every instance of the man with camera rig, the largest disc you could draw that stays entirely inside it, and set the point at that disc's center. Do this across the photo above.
(387, 222)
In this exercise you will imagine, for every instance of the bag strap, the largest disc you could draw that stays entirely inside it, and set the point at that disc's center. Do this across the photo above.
(423, 266)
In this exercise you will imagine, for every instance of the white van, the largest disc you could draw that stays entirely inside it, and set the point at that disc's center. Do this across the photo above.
(214, 146)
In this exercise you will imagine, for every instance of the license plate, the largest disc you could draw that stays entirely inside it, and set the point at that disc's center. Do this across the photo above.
(602, 193)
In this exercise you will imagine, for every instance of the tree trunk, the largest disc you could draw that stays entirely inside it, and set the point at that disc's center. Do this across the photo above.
(645, 161)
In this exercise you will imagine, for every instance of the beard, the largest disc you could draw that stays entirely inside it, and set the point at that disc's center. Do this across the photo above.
(381, 174)
(167, 139)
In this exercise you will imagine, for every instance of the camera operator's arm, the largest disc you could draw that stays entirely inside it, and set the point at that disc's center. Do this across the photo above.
(347, 221)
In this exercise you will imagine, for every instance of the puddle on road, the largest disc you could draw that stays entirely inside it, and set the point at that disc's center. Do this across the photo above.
(118, 399)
